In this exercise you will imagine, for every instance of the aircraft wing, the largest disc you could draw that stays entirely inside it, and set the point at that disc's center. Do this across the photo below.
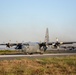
(10, 44)
(14, 44)
(67, 42)
(51, 43)
(2, 44)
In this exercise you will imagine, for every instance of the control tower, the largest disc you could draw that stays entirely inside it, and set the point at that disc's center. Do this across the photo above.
(47, 36)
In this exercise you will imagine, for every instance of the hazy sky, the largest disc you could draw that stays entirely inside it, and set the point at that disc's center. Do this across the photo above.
(27, 20)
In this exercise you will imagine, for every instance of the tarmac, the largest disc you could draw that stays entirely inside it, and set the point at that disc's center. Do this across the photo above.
(11, 57)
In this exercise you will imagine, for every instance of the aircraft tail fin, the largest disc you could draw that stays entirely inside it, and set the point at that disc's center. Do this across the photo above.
(47, 36)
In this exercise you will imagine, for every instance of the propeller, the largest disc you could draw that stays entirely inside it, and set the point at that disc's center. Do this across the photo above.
(8, 44)
(43, 46)
(18, 45)
(56, 44)
(21, 45)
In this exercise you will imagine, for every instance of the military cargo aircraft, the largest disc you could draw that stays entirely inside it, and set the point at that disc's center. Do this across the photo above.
(37, 46)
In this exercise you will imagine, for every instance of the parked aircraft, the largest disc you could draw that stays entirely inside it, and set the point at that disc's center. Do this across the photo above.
(37, 46)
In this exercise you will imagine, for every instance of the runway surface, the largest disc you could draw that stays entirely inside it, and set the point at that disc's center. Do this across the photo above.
(10, 57)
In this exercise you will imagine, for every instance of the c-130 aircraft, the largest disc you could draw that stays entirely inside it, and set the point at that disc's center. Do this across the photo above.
(37, 47)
